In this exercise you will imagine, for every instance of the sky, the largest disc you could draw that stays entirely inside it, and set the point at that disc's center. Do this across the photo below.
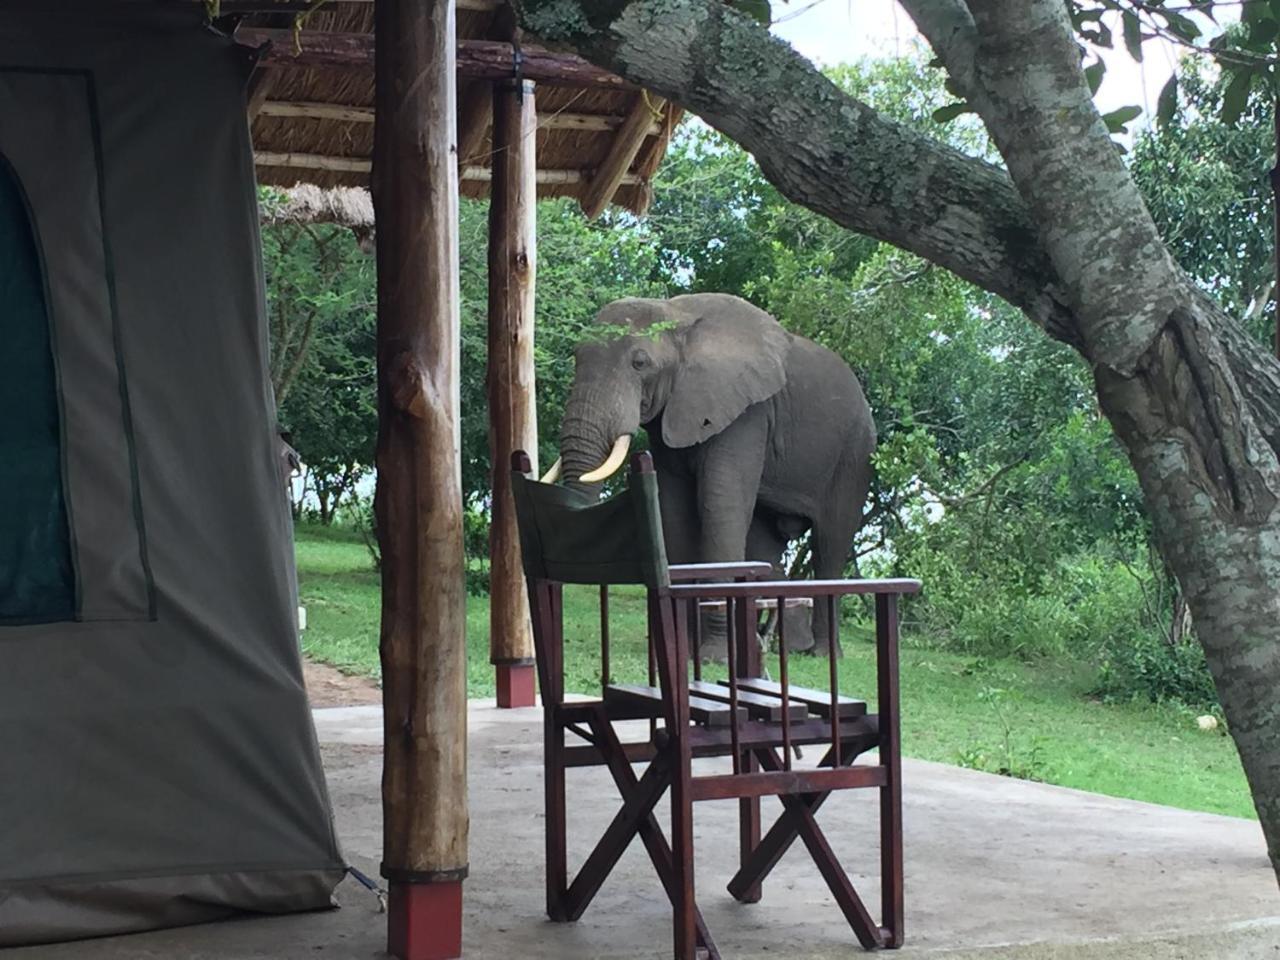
(837, 31)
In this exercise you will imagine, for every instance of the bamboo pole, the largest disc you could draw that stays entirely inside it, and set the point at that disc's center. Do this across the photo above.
(513, 423)
(550, 120)
(315, 161)
(419, 492)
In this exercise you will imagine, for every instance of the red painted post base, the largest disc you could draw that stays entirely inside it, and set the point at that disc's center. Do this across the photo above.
(515, 685)
(424, 921)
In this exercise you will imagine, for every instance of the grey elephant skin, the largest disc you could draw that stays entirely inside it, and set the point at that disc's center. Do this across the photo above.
(757, 434)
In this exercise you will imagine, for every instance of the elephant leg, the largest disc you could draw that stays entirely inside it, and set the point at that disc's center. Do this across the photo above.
(832, 542)
(728, 471)
(681, 528)
(766, 542)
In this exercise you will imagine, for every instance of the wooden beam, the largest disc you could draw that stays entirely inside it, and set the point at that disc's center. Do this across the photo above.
(622, 153)
(513, 421)
(308, 110)
(418, 503)
(485, 59)
(475, 115)
(545, 177)
(550, 120)
(311, 161)
(584, 121)
(262, 82)
(648, 165)
(305, 6)
(315, 161)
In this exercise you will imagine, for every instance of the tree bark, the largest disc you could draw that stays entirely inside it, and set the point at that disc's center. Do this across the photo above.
(1064, 235)
(418, 503)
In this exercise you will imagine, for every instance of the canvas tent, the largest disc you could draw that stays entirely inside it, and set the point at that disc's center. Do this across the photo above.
(158, 764)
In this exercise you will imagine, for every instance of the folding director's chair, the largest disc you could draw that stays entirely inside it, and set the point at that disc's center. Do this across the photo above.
(756, 722)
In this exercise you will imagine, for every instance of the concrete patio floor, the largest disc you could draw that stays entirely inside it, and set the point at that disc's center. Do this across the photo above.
(995, 868)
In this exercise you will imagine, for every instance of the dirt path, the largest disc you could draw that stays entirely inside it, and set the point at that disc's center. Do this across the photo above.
(330, 687)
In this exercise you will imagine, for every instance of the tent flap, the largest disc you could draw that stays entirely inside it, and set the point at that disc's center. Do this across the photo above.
(160, 766)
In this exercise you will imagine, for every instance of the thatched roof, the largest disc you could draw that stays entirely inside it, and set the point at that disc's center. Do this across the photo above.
(312, 98)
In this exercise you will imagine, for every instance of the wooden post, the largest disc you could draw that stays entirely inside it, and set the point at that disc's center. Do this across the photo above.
(1275, 202)
(513, 422)
(419, 492)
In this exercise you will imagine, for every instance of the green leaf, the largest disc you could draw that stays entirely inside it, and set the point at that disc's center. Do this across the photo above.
(1183, 27)
(1236, 96)
(1133, 35)
(1093, 75)
(1116, 119)
(951, 110)
(1251, 11)
(755, 9)
(1262, 32)
(1167, 105)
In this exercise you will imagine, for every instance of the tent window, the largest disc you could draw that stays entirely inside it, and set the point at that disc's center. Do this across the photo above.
(36, 579)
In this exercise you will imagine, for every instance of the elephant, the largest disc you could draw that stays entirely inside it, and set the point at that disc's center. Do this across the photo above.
(757, 435)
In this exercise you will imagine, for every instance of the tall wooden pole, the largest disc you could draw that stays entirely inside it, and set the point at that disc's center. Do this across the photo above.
(419, 492)
(513, 422)
(1275, 201)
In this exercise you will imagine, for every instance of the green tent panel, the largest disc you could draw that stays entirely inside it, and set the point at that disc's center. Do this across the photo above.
(36, 582)
(158, 763)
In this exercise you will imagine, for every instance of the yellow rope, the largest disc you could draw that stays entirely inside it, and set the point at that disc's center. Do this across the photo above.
(659, 113)
(298, 21)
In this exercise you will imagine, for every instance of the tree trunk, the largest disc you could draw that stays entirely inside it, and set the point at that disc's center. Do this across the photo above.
(419, 493)
(1064, 235)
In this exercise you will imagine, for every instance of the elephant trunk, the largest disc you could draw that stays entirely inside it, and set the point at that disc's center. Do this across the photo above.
(588, 434)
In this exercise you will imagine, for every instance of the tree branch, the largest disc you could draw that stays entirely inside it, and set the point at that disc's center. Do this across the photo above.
(949, 28)
(818, 146)
(835, 155)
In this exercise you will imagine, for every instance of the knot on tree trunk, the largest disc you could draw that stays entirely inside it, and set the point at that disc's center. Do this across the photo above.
(409, 384)
(1184, 390)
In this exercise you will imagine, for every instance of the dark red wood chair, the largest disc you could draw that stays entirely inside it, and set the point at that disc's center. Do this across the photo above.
(754, 721)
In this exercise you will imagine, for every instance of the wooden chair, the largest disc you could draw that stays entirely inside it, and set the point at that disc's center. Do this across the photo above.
(754, 721)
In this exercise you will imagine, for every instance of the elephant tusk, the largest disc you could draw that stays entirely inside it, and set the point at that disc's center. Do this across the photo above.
(617, 456)
(552, 475)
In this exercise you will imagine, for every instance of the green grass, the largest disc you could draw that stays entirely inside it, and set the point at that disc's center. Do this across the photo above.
(1034, 719)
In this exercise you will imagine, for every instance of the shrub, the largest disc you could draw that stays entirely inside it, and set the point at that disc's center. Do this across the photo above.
(1149, 667)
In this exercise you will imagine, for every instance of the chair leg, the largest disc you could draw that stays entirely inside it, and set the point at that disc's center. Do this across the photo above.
(893, 897)
(748, 836)
(683, 904)
(557, 844)
(891, 759)
(766, 853)
(650, 833)
(855, 912)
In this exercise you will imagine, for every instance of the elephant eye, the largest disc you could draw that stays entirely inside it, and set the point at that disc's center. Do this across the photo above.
(640, 360)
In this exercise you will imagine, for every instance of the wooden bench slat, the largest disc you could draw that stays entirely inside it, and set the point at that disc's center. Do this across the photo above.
(759, 706)
(708, 712)
(762, 603)
(818, 701)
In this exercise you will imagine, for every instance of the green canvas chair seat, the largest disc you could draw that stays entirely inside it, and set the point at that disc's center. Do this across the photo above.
(566, 537)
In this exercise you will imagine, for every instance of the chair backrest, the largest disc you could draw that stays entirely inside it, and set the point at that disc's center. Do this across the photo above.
(567, 538)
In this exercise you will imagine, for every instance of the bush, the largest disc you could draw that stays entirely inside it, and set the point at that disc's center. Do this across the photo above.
(1149, 667)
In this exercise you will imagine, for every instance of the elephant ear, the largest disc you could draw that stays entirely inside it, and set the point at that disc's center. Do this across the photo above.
(730, 359)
